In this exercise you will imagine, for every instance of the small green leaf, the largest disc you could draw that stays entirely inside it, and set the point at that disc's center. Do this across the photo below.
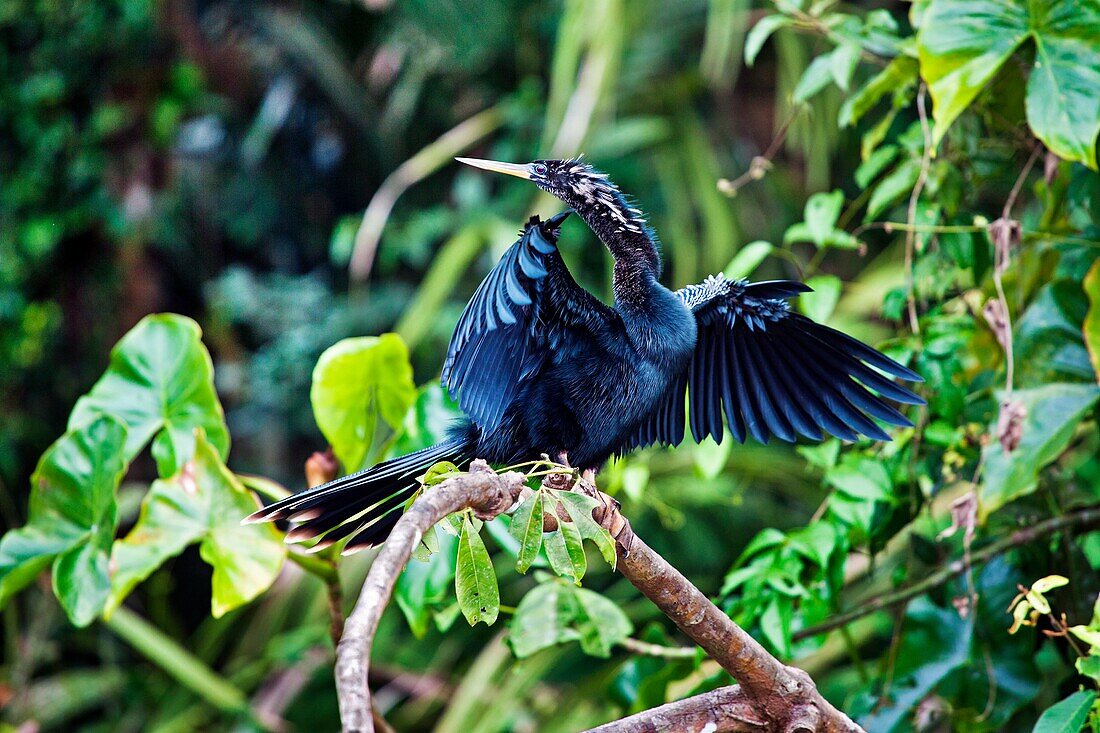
(424, 588)
(72, 520)
(775, 622)
(475, 580)
(813, 79)
(1091, 327)
(601, 623)
(438, 473)
(760, 33)
(893, 188)
(1053, 413)
(1067, 716)
(160, 384)
(579, 506)
(898, 74)
(820, 303)
(360, 385)
(203, 503)
(1089, 667)
(556, 613)
(527, 529)
(747, 259)
(565, 551)
(710, 457)
(842, 64)
(822, 212)
(870, 169)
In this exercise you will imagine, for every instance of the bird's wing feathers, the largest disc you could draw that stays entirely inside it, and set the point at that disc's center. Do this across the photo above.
(769, 371)
(526, 305)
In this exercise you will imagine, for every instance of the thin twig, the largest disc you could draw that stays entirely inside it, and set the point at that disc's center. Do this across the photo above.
(914, 197)
(760, 164)
(1087, 517)
(645, 648)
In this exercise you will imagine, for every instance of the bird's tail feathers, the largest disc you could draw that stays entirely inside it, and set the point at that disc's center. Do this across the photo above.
(365, 505)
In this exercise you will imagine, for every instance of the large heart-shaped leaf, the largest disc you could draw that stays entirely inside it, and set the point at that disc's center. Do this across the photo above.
(1053, 413)
(357, 384)
(205, 503)
(160, 384)
(72, 520)
(963, 43)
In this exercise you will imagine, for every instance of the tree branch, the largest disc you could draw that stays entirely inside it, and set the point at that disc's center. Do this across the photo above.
(1087, 517)
(482, 490)
(725, 710)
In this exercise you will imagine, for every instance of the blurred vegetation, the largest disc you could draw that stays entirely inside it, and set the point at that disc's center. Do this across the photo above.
(280, 174)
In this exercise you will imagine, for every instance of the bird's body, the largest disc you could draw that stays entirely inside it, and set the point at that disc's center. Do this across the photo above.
(540, 366)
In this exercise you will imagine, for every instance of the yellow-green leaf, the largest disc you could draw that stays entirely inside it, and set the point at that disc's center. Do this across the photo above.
(72, 520)
(160, 385)
(359, 386)
(1091, 327)
(203, 503)
(475, 580)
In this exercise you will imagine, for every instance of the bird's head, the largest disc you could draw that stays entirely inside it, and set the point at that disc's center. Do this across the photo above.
(588, 191)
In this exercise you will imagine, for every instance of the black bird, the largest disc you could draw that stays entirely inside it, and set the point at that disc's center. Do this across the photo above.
(541, 366)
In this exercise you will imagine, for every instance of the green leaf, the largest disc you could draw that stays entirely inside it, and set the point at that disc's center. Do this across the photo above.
(870, 169)
(820, 303)
(1067, 716)
(556, 613)
(565, 551)
(72, 520)
(747, 259)
(160, 384)
(1089, 667)
(898, 75)
(963, 44)
(1053, 413)
(423, 588)
(1049, 346)
(760, 33)
(894, 187)
(813, 79)
(822, 211)
(842, 64)
(580, 506)
(601, 623)
(204, 503)
(1091, 327)
(775, 622)
(527, 529)
(543, 618)
(710, 457)
(475, 580)
(358, 384)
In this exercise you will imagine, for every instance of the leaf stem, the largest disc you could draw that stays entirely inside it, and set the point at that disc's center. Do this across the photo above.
(177, 661)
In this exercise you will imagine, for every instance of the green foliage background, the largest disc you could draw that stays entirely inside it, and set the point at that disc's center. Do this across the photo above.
(928, 167)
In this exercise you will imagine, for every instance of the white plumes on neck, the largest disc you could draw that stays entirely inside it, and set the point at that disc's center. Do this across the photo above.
(600, 192)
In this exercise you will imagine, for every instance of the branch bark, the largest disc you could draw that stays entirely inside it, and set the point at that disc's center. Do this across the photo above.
(488, 494)
(725, 710)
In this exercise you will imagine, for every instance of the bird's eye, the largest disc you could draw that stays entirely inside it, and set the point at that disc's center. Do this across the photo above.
(540, 169)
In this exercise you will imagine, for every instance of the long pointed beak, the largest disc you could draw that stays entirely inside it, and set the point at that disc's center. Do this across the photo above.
(510, 169)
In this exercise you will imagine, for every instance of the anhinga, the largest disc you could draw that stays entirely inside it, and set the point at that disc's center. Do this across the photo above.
(541, 366)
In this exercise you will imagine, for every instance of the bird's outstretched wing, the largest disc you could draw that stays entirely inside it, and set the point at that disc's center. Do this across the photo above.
(527, 306)
(770, 371)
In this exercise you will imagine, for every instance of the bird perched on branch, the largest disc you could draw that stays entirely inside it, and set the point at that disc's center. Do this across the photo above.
(541, 366)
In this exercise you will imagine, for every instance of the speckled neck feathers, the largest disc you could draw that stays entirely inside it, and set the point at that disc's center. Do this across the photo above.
(621, 227)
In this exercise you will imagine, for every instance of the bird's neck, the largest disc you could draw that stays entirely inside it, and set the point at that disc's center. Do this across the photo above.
(633, 245)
